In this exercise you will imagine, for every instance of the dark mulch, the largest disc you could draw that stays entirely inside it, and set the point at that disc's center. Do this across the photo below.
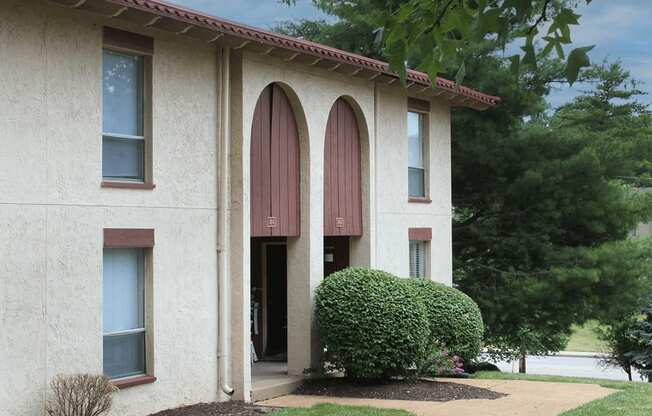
(217, 409)
(429, 391)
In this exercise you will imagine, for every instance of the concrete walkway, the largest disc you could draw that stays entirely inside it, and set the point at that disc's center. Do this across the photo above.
(525, 398)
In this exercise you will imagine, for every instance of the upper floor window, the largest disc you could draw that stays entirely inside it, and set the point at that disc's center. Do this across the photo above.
(123, 138)
(416, 155)
(126, 109)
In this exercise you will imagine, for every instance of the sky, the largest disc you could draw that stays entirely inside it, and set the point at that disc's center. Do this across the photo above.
(619, 29)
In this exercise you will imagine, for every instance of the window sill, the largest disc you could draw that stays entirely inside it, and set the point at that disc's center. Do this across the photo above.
(133, 381)
(128, 185)
(420, 200)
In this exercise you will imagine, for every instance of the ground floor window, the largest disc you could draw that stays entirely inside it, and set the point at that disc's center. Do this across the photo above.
(124, 312)
(418, 258)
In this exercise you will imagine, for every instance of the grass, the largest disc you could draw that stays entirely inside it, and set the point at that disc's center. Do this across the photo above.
(584, 339)
(335, 410)
(632, 399)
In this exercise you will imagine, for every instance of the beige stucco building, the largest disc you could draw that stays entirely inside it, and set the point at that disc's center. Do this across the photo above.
(126, 196)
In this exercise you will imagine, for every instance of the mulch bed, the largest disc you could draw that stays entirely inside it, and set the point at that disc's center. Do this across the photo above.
(432, 391)
(217, 409)
(429, 391)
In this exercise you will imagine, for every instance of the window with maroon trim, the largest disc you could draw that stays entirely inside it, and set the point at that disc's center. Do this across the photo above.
(126, 109)
(418, 258)
(125, 304)
(419, 239)
(417, 138)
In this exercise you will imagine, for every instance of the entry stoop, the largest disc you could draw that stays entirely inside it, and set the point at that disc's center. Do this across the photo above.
(270, 380)
(273, 389)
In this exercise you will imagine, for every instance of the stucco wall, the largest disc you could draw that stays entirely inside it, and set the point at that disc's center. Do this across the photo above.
(395, 215)
(382, 110)
(312, 93)
(388, 215)
(53, 210)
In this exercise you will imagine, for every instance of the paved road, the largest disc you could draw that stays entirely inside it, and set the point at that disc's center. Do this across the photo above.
(567, 366)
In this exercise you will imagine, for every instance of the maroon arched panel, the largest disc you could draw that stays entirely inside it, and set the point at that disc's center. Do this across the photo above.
(275, 197)
(342, 178)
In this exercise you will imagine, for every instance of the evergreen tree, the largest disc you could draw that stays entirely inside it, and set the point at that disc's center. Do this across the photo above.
(642, 333)
(544, 199)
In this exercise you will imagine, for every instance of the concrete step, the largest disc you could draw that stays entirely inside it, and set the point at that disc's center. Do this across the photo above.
(269, 389)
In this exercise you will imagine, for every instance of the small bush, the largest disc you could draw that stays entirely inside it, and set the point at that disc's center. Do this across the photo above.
(482, 366)
(454, 318)
(372, 323)
(79, 395)
(440, 363)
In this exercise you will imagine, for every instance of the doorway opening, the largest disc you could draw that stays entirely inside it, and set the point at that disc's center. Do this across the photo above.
(336, 254)
(269, 319)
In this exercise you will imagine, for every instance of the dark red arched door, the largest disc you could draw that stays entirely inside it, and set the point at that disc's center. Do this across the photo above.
(275, 197)
(342, 187)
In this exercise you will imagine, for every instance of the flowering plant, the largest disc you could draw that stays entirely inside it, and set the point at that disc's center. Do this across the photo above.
(441, 363)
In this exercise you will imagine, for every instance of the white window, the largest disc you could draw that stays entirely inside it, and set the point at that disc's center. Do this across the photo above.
(123, 137)
(123, 311)
(416, 158)
(418, 258)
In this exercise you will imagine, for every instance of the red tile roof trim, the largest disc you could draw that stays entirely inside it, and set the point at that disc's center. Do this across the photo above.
(298, 45)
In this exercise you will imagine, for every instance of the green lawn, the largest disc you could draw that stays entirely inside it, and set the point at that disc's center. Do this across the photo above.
(633, 399)
(334, 410)
(584, 339)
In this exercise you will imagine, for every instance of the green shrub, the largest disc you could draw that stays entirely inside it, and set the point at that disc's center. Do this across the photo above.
(372, 323)
(454, 318)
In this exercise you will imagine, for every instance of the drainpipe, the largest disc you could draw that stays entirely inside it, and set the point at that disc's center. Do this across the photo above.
(375, 243)
(223, 356)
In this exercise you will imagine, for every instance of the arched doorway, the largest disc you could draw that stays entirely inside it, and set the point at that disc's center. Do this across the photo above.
(275, 216)
(342, 186)
(275, 196)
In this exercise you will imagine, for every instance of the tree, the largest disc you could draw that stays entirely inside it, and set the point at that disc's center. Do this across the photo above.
(620, 342)
(544, 201)
(441, 31)
(356, 37)
(539, 203)
(641, 356)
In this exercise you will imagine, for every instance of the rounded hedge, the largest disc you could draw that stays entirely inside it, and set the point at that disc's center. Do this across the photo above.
(372, 323)
(454, 318)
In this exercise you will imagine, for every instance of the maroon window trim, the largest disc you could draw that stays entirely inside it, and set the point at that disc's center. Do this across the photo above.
(418, 105)
(128, 185)
(120, 39)
(128, 238)
(420, 200)
(133, 381)
(420, 234)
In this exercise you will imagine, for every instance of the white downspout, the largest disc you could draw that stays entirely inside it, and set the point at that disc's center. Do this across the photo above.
(224, 307)
(376, 179)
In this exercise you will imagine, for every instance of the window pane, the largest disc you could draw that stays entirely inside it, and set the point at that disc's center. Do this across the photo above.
(415, 141)
(417, 259)
(122, 104)
(122, 158)
(416, 185)
(124, 355)
(123, 293)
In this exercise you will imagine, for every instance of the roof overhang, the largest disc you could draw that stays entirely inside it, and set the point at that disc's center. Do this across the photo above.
(163, 16)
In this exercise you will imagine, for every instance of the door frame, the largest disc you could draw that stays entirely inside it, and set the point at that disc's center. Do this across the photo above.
(263, 267)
